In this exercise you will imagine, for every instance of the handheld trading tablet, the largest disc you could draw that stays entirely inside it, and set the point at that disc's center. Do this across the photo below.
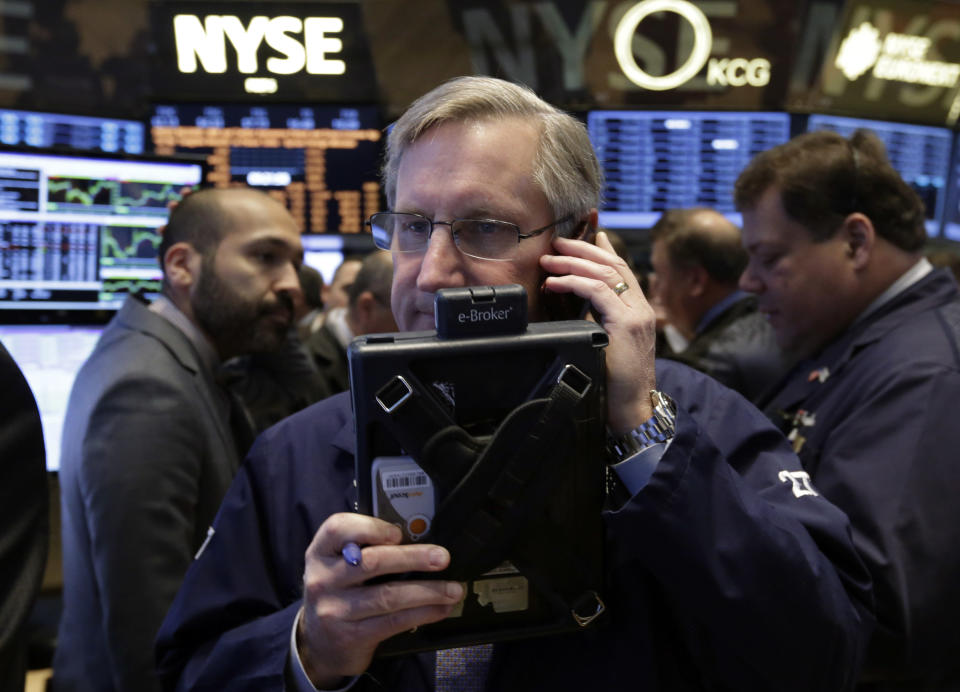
(487, 437)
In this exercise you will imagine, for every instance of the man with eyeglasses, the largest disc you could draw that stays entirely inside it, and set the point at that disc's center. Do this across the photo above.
(720, 575)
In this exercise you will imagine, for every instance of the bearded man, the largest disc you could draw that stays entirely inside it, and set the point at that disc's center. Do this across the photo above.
(152, 440)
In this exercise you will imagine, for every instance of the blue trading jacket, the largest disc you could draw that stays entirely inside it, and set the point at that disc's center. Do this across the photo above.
(874, 417)
(721, 575)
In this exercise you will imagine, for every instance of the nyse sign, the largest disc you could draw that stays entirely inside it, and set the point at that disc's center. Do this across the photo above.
(736, 72)
(903, 57)
(301, 45)
(705, 60)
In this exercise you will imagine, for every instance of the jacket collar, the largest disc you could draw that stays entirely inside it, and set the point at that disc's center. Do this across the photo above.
(168, 310)
(136, 315)
(932, 290)
(936, 288)
(719, 309)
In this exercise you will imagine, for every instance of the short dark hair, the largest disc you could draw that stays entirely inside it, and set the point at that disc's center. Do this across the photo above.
(690, 241)
(822, 177)
(375, 275)
(311, 281)
(200, 219)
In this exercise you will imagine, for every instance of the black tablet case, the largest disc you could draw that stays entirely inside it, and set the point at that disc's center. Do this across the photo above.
(547, 562)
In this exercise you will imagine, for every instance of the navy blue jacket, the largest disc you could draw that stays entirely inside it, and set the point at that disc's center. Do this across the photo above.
(880, 435)
(721, 577)
(738, 347)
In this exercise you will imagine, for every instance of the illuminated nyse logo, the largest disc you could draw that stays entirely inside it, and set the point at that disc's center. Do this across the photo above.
(735, 72)
(895, 57)
(204, 45)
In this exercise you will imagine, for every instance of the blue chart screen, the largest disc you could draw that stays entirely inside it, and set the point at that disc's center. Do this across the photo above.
(951, 212)
(655, 160)
(919, 153)
(81, 132)
(79, 232)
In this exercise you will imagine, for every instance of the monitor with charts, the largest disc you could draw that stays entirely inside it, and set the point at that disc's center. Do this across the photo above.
(79, 231)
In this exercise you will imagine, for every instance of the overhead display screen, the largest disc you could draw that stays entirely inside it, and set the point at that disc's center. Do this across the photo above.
(657, 160)
(320, 161)
(80, 231)
(951, 212)
(919, 153)
(62, 130)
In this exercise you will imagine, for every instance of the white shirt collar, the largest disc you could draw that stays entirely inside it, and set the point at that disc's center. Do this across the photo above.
(906, 280)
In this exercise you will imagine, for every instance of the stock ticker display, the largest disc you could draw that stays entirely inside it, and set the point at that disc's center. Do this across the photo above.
(951, 213)
(62, 130)
(320, 161)
(81, 231)
(919, 153)
(656, 160)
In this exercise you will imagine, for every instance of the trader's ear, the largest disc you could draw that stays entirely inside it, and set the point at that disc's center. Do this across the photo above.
(587, 230)
(859, 236)
(181, 265)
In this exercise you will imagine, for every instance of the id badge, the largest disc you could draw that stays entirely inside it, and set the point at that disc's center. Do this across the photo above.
(403, 495)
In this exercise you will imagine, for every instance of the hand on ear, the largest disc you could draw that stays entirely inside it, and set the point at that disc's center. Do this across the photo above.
(588, 230)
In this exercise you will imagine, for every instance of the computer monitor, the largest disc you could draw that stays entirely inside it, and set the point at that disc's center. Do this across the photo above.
(951, 211)
(919, 153)
(79, 231)
(321, 161)
(658, 160)
(50, 357)
(325, 253)
(66, 131)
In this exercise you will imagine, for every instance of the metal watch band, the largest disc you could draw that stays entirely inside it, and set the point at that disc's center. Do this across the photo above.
(658, 428)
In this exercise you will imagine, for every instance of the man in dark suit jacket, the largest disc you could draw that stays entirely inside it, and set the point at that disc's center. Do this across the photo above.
(150, 443)
(697, 259)
(367, 312)
(24, 519)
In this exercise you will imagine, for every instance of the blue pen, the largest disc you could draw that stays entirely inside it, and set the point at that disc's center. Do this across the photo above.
(351, 553)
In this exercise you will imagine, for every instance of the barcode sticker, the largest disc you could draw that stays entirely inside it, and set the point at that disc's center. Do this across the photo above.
(403, 495)
(404, 480)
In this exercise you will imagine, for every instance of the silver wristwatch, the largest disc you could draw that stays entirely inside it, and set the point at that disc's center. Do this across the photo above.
(656, 429)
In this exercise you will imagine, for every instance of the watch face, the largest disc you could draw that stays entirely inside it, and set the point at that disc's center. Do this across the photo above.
(661, 400)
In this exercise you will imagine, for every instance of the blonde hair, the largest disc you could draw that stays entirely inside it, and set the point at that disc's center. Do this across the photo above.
(565, 168)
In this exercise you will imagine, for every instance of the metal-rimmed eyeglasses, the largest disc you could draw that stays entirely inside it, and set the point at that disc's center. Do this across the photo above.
(487, 239)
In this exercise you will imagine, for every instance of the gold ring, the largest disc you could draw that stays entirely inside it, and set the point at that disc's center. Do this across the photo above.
(620, 287)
